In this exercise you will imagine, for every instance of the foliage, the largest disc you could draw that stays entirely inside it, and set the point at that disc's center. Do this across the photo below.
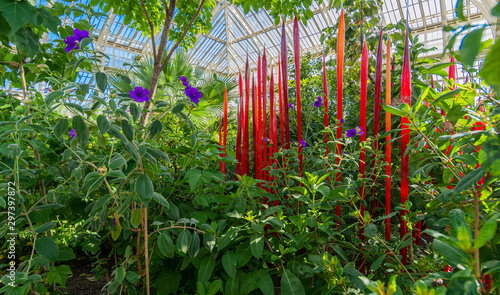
(149, 207)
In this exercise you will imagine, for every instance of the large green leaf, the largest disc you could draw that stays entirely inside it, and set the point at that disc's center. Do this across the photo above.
(194, 248)
(127, 129)
(232, 285)
(264, 281)
(214, 287)
(166, 245)
(47, 248)
(184, 241)
(194, 178)
(103, 124)
(489, 71)
(101, 81)
(470, 179)
(290, 284)
(487, 232)
(470, 46)
(206, 269)
(61, 127)
(17, 14)
(257, 245)
(229, 263)
(452, 255)
(144, 188)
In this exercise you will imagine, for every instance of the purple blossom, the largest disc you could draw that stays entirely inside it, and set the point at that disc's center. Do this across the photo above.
(70, 44)
(351, 132)
(317, 103)
(342, 121)
(80, 35)
(291, 105)
(72, 133)
(183, 79)
(185, 83)
(303, 143)
(114, 220)
(359, 131)
(265, 139)
(139, 94)
(193, 94)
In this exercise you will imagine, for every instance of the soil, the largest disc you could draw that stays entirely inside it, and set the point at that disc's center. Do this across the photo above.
(82, 281)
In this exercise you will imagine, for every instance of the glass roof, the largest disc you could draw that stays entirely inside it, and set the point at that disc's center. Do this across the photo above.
(234, 34)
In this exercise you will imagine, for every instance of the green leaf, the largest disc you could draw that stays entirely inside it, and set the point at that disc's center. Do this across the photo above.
(155, 128)
(144, 188)
(115, 131)
(194, 248)
(489, 71)
(394, 111)
(117, 163)
(470, 46)
(459, 9)
(215, 286)
(264, 281)
(17, 14)
(166, 245)
(127, 129)
(290, 284)
(52, 96)
(375, 265)
(470, 179)
(229, 264)
(232, 285)
(45, 227)
(209, 241)
(247, 284)
(370, 230)
(130, 148)
(101, 81)
(206, 269)
(194, 179)
(184, 241)
(496, 10)
(103, 124)
(257, 245)
(134, 111)
(82, 131)
(48, 20)
(61, 127)
(178, 108)
(47, 248)
(120, 274)
(135, 219)
(452, 255)
(58, 275)
(487, 232)
(161, 200)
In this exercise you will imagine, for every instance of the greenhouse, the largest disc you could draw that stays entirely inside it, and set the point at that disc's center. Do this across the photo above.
(250, 147)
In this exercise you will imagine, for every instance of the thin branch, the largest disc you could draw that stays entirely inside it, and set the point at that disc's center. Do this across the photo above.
(151, 27)
(171, 51)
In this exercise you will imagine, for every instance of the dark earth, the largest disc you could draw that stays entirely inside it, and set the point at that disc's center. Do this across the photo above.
(82, 281)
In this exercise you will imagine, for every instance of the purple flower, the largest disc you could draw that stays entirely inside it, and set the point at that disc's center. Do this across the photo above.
(351, 133)
(342, 121)
(303, 143)
(317, 103)
(265, 139)
(114, 220)
(80, 35)
(72, 133)
(291, 105)
(183, 79)
(185, 83)
(70, 44)
(360, 133)
(193, 94)
(139, 94)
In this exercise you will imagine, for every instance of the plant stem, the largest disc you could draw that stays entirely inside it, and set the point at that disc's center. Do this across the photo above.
(476, 233)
